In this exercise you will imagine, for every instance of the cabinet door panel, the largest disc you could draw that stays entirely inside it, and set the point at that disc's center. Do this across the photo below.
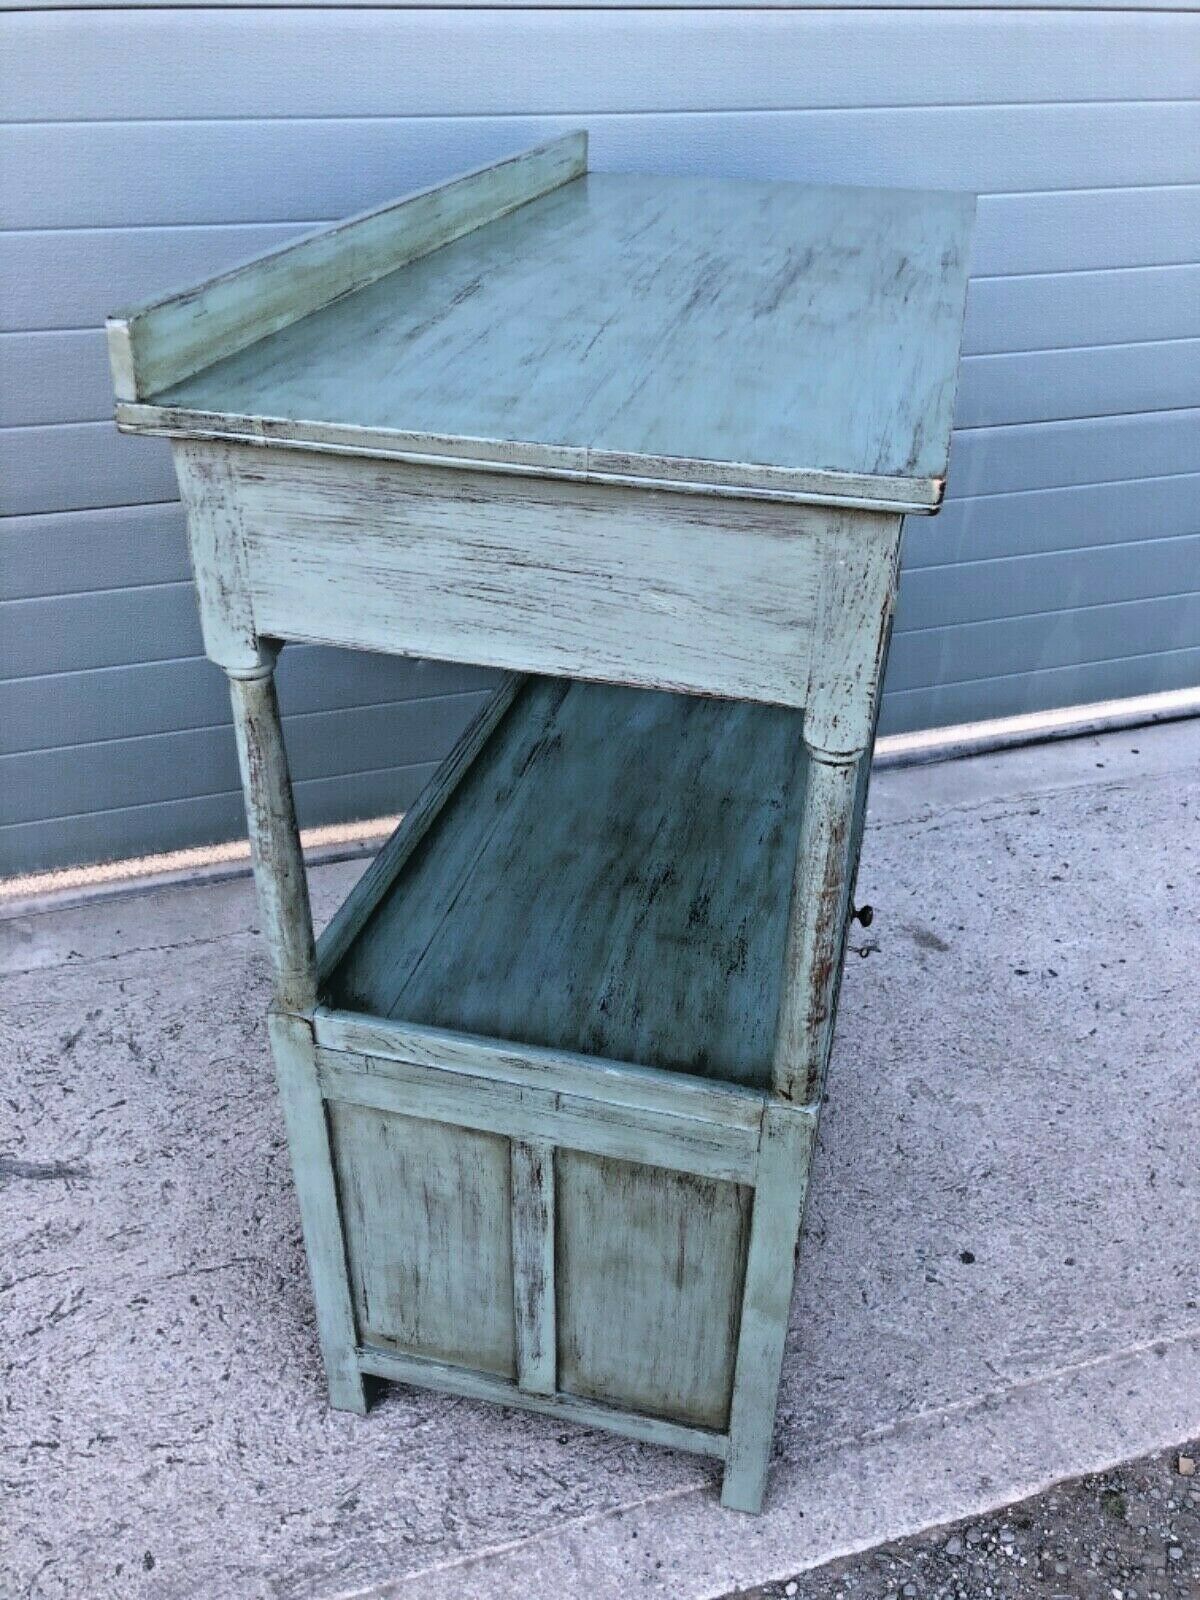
(426, 1208)
(649, 1269)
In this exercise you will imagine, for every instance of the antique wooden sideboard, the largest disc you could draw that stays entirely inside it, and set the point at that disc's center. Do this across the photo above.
(552, 1073)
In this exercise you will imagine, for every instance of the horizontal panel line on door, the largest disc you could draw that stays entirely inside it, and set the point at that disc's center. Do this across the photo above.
(1052, 611)
(1045, 422)
(290, 719)
(12, 517)
(1033, 672)
(592, 115)
(1060, 488)
(299, 784)
(127, 588)
(1066, 550)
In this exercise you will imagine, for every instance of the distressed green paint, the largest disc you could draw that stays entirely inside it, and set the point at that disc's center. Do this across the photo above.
(787, 1137)
(166, 341)
(426, 1209)
(648, 1308)
(686, 327)
(611, 878)
(527, 1111)
(307, 1124)
(551, 1077)
(534, 1230)
(565, 1407)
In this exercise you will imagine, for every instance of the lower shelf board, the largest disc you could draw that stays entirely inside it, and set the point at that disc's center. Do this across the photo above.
(447, 1379)
(609, 876)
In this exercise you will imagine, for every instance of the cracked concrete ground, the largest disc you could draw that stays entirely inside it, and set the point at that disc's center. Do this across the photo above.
(999, 1286)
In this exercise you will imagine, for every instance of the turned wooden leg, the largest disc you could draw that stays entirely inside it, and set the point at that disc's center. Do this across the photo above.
(817, 925)
(274, 837)
(287, 927)
(812, 964)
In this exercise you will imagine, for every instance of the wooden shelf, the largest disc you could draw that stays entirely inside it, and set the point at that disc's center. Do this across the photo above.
(601, 871)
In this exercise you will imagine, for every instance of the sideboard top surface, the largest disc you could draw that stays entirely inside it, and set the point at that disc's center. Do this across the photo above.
(718, 331)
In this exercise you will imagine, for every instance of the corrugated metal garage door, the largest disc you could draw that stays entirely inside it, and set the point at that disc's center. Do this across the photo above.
(148, 146)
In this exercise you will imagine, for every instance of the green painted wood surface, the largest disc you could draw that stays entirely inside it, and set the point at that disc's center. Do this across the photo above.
(567, 1407)
(280, 879)
(648, 1275)
(543, 1117)
(320, 1215)
(168, 339)
(695, 329)
(610, 877)
(427, 1213)
(347, 921)
(766, 1301)
(616, 1083)
(533, 1234)
(715, 594)
(526, 1112)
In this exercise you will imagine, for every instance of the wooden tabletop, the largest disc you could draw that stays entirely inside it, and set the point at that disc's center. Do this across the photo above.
(727, 334)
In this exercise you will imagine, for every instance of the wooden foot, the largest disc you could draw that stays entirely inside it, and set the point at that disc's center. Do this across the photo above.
(312, 1165)
(770, 1267)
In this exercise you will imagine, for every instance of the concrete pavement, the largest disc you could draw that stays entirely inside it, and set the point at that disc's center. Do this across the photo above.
(999, 1285)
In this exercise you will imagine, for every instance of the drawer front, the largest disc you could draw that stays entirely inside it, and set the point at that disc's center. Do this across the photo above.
(678, 591)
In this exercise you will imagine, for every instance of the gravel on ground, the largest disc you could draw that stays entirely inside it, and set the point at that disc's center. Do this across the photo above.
(1132, 1533)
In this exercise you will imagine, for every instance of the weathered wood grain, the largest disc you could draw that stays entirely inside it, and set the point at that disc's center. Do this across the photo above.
(816, 929)
(427, 1214)
(680, 328)
(552, 1118)
(218, 554)
(347, 921)
(169, 339)
(533, 1264)
(819, 1064)
(279, 876)
(648, 1277)
(610, 878)
(770, 1267)
(320, 1217)
(570, 1408)
(617, 1083)
(673, 591)
(525, 1112)
(860, 556)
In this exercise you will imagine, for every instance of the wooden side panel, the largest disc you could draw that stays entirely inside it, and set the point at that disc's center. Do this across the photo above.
(170, 339)
(649, 1269)
(673, 591)
(522, 1111)
(426, 1209)
(565, 1407)
(348, 920)
(369, 1043)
